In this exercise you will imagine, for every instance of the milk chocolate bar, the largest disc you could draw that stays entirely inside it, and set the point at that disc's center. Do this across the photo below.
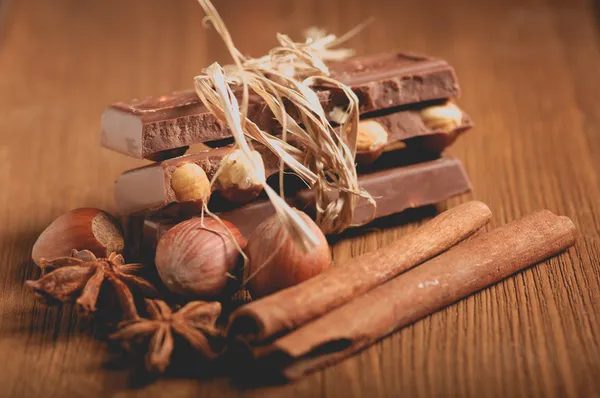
(143, 128)
(391, 79)
(394, 190)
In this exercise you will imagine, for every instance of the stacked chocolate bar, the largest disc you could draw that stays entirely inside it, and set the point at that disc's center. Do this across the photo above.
(407, 119)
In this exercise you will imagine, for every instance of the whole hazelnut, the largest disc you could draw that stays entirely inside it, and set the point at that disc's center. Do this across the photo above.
(239, 180)
(276, 261)
(80, 229)
(372, 138)
(190, 183)
(194, 257)
(445, 118)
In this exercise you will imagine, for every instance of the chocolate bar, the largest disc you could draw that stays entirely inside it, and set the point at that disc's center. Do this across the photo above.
(391, 79)
(401, 188)
(149, 188)
(394, 190)
(143, 128)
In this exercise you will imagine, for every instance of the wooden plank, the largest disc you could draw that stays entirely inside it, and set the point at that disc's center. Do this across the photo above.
(522, 65)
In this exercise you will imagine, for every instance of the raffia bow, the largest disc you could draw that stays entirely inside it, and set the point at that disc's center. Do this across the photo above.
(287, 73)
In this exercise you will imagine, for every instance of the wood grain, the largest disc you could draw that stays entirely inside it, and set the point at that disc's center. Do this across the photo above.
(528, 70)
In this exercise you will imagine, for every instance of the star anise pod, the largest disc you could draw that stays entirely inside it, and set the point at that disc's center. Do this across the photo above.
(79, 278)
(195, 322)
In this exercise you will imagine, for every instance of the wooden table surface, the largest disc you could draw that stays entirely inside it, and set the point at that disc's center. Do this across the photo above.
(529, 71)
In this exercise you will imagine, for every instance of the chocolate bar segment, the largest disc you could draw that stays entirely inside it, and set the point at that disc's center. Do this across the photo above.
(407, 124)
(394, 190)
(393, 79)
(149, 188)
(398, 189)
(141, 128)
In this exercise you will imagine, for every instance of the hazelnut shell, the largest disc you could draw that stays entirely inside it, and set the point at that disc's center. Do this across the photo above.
(194, 257)
(82, 229)
(277, 262)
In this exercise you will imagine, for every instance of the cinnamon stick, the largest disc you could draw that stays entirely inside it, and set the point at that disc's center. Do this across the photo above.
(469, 267)
(292, 307)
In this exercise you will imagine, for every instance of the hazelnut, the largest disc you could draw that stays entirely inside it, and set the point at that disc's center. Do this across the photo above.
(81, 229)
(276, 261)
(195, 257)
(190, 183)
(372, 138)
(445, 117)
(238, 180)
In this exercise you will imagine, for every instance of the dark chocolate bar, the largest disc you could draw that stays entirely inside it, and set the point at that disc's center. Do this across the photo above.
(142, 128)
(394, 190)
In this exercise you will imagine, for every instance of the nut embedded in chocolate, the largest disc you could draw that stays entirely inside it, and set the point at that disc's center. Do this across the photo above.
(372, 138)
(445, 117)
(239, 181)
(190, 183)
